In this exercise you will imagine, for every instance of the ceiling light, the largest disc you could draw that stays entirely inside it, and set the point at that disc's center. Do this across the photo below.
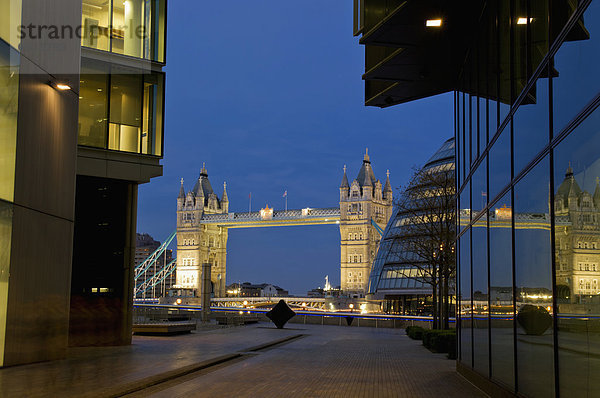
(523, 21)
(433, 23)
(62, 86)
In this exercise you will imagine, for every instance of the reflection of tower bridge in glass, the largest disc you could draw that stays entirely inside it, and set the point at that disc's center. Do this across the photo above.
(203, 221)
(576, 237)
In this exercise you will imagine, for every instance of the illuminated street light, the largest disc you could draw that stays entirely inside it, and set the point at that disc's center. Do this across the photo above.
(178, 301)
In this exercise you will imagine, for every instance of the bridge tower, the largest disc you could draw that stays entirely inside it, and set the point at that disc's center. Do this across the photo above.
(362, 203)
(200, 243)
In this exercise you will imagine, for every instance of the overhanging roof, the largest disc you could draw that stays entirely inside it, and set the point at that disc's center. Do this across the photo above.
(405, 60)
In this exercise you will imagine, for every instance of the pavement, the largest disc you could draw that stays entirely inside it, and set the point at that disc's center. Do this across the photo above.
(248, 361)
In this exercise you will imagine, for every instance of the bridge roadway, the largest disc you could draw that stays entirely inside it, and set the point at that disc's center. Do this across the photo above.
(274, 218)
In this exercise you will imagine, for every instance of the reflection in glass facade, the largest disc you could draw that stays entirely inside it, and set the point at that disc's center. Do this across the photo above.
(527, 128)
(120, 110)
(9, 102)
(392, 277)
(9, 95)
(132, 27)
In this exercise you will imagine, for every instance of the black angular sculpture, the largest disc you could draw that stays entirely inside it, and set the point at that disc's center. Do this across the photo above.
(280, 314)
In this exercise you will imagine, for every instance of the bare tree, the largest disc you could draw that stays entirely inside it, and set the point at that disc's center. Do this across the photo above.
(424, 245)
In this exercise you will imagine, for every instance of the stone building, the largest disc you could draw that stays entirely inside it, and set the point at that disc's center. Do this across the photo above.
(365, 208)
(577, 232)
(196, 243)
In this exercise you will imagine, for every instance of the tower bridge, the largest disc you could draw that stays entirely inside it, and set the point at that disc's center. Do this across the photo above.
(273, 218)
(204, 219)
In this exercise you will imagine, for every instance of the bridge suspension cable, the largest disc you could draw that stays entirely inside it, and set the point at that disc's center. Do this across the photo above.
(156, 279)
(151, 260)
(377, 227)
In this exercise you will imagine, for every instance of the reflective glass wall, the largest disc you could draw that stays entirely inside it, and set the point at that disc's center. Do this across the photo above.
(527, 127)
(132, 27)
(9, 102)
(9, 95)
(120, 109)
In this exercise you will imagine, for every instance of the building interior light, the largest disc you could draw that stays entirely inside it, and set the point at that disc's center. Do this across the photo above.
(62, 86)
(523, 21)
(433, 23)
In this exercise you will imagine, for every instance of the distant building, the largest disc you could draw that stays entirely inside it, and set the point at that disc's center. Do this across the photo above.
(365, 208)
(145, 245)
(248, 289)
(196, 243)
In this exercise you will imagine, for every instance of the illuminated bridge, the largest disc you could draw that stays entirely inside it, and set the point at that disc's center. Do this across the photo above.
(273, 218)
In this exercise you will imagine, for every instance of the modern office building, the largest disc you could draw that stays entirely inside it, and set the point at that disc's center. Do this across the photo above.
(81, 119)
(396, 278)
(527, 128)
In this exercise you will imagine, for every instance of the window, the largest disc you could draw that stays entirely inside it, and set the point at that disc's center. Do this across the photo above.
(134, 122)
(95, 23)
(132, 27)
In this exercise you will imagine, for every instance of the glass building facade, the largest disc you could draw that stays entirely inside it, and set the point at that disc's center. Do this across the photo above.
(526, 86)
(121, 109)
(134, 28)
(394, 278)
(527, 128)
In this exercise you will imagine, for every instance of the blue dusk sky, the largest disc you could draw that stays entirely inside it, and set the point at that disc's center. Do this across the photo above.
(269, 94)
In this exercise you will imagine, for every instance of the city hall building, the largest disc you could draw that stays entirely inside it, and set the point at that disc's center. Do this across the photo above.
(526, 90)
(81, 126)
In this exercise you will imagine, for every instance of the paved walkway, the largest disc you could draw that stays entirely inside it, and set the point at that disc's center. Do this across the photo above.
(327, 361)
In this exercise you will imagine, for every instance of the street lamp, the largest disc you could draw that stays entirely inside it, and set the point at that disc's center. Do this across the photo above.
(351, 307)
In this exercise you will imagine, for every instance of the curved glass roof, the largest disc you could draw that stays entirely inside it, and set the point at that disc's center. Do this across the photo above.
(392, 271)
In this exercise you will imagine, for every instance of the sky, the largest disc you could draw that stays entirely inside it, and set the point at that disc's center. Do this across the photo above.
(269, 94)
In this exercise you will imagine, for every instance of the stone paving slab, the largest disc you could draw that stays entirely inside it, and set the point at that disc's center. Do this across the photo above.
(330, 362)
(90, 371)
(326, 361)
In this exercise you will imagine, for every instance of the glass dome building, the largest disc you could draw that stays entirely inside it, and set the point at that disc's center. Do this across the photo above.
(392, 279)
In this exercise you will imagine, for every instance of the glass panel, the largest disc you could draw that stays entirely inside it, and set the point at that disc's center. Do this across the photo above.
(128, 27)
(500, 163)
(5, 245)
(561, 12)
(459, 136)
(533, 275)
(153, 114)
(577, 63)
(504, 57)
(473, 126)
(93, 105)
(531, 125)
(482, 124)
(480, 297)
(479, 183)
(519, 53)
(465, 312)
(501, 293)
(95, 23)
(125, 112)
(466, 150)
(154, 48)
(537, 23)
(577, 245)
(9, 103)
(10, 21)
(465, 207)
